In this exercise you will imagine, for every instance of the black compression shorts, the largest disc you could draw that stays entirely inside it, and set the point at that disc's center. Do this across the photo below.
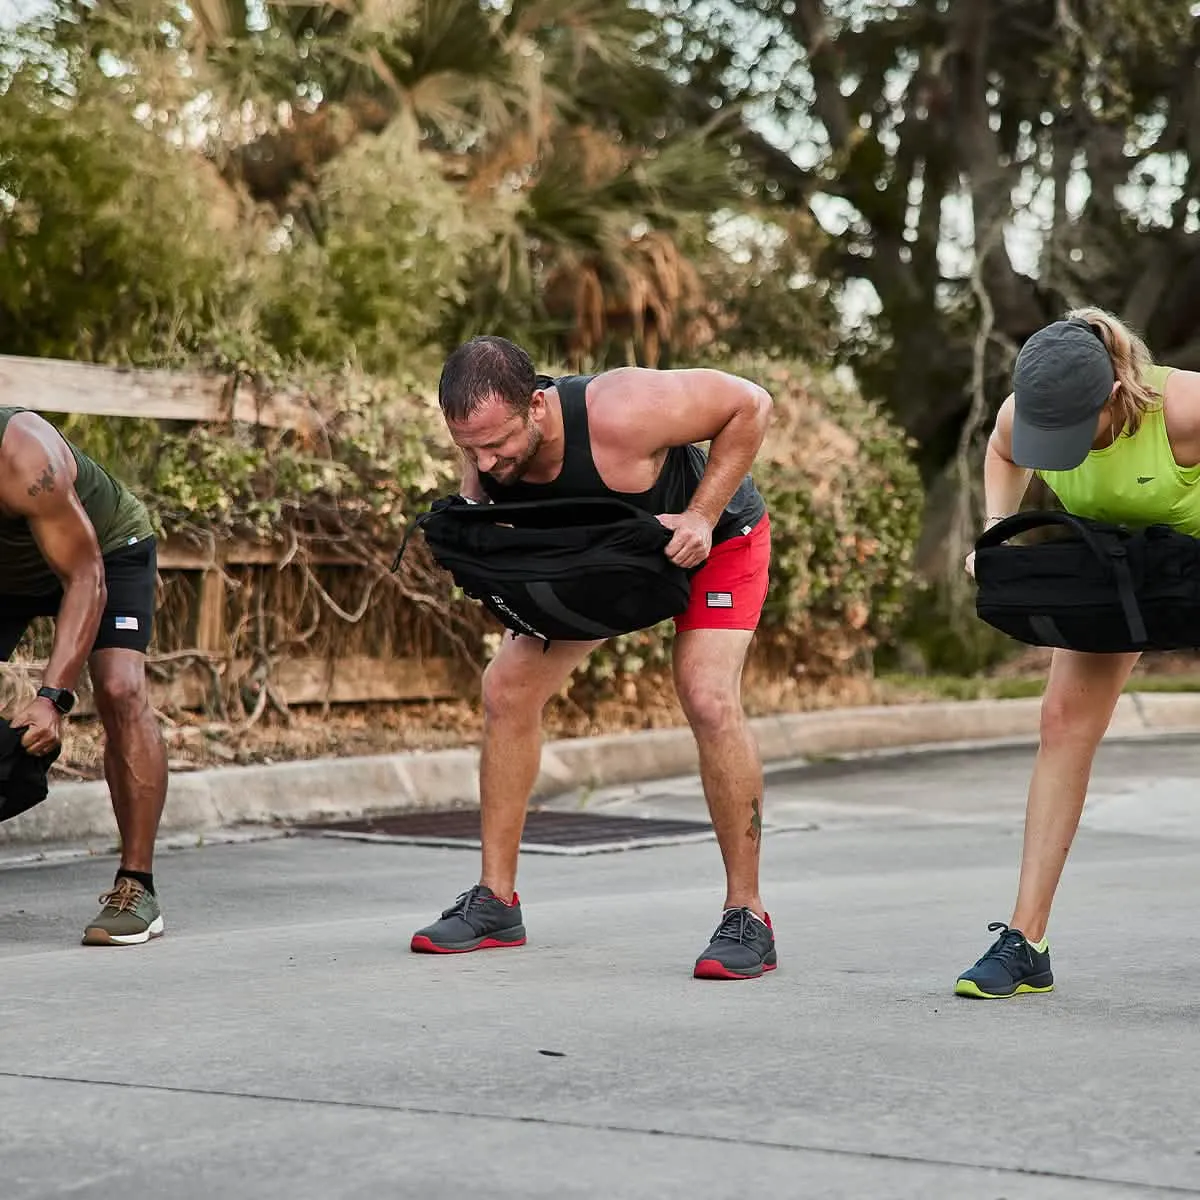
(130, 573)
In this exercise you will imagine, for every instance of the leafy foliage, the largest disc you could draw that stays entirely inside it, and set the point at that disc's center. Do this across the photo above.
(379, 281)
(381, 453)
(324, 197)
(364, 182)
(1046, 148)
(845, 502)
(114, 243)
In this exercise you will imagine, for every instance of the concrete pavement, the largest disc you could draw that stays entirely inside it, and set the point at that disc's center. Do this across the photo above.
(280, 1041)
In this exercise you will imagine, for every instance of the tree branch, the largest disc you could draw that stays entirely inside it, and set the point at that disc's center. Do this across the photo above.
(824, 63)
(1147, 292)
(990, 179)
(977, 414)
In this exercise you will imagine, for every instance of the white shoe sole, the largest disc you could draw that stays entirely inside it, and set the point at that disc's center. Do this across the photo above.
(95, 936)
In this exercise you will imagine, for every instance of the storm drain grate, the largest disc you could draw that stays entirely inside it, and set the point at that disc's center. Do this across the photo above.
(546, 832)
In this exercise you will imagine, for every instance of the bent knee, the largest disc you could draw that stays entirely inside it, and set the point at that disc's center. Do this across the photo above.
(509, 697)
(711, 711)
(1073, 721)
(122, 696)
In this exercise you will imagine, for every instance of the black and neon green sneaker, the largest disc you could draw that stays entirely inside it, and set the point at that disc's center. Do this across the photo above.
(130, 916)
(1011, 966)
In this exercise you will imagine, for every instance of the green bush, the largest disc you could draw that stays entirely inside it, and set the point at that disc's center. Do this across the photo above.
(115, 245)
(846, 504)
(380, 455)
(376, 278)
(122, 241)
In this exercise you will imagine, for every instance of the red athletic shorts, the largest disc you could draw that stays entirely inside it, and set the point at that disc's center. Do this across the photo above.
(729, 590)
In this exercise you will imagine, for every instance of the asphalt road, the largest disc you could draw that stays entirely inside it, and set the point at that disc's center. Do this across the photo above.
(281, 1041)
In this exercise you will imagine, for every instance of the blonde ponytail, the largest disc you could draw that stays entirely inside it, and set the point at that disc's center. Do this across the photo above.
(1130, 358)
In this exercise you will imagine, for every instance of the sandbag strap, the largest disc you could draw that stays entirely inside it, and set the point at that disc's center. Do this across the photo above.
(1125, 590)
(439, 506)
(597, 508)
(413, 526)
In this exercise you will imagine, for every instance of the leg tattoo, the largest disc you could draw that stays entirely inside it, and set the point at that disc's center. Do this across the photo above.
(755, 830)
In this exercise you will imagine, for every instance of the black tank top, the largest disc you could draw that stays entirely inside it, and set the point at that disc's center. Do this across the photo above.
(672, 490)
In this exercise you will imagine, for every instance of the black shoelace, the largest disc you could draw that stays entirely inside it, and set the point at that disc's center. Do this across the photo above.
(735, 926)
(1009, 948)
(464, 903)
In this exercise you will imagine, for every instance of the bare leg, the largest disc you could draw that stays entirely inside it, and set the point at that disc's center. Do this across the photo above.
(135, 758)
(516, 686)
(1078, 704)
(708, 677)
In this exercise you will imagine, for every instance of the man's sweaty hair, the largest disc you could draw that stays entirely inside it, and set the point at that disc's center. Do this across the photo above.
(483, 367)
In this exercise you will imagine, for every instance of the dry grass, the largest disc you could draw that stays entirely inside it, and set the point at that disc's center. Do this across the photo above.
(195, 742)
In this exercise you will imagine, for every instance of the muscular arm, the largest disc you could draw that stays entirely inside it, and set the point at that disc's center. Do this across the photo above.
(651, 411)
(37, 483)
(1004, 483)
(1182, 404)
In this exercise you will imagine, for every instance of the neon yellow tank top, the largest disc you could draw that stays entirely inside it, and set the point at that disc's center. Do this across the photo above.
(1135, 481)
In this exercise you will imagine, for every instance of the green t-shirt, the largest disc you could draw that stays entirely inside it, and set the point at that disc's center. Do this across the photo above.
(119, 517)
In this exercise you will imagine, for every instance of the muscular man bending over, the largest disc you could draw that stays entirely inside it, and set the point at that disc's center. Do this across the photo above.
(77, 546)
(628, 433)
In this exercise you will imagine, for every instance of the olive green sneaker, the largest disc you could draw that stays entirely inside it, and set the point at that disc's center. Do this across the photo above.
(129, 917)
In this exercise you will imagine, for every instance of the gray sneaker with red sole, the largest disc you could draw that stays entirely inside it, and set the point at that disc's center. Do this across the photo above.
(477, 920)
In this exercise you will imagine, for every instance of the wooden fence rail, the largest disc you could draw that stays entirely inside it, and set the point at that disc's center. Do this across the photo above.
(55, 386)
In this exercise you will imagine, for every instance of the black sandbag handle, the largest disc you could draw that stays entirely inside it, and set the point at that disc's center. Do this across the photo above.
(413, 526)
(1023, 522)
(511, 511)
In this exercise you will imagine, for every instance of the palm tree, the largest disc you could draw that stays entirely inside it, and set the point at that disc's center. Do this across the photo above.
(552, 123)
(555, 126)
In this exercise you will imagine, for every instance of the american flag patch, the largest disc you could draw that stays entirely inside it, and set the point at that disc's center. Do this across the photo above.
(126, 622)
(719, 599)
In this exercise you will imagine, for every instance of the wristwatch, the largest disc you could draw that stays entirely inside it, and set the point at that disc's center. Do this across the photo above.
(61, 698)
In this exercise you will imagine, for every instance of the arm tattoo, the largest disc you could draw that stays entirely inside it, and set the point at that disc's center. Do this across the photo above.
(755, 830)
(45, 483)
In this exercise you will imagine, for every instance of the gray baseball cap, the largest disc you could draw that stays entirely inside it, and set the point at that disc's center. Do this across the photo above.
(1062, 379)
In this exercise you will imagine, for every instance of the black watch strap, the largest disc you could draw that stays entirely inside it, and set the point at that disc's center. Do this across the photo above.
(61, 698)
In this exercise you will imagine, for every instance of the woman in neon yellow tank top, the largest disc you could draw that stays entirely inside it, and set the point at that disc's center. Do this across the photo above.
(1117, 438)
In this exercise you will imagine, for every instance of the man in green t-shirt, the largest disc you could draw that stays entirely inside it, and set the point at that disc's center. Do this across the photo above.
(77, 546)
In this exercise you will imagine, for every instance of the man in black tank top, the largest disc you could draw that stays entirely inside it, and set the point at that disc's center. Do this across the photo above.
(77, 546)
(629, 433)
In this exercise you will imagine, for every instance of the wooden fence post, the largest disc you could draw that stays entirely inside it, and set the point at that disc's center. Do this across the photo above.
(211, 635)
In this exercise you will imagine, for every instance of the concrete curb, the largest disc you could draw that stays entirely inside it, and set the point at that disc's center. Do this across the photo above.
(341, 788)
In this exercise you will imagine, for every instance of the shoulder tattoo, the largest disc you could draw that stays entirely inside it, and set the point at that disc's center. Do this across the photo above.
(45, 483)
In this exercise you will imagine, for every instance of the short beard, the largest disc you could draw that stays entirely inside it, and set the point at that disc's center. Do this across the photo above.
(534, 444)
